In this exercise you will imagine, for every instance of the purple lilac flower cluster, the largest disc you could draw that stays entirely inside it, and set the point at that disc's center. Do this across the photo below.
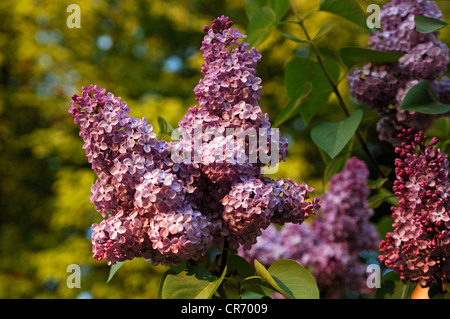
(419, 245)
(383, 87)
(166, 210)
(332, 242)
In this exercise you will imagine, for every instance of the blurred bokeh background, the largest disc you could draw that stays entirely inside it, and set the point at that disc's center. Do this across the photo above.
(147, 52)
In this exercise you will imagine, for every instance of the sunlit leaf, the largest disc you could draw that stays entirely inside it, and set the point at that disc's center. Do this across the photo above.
(261, 25)
(194, 283)
(289, 278)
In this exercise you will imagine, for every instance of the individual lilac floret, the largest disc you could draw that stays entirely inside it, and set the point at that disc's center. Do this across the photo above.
(330, 245)
(419, 245)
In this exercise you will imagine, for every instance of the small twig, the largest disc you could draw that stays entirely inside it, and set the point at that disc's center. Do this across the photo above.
(223, 263)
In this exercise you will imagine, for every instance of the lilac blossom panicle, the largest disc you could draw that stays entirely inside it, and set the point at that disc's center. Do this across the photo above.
(330, 245)
(168, 211)
(419, 246)
(383, 87)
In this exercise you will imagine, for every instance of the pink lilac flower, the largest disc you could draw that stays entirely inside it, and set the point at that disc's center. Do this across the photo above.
(330, 245)
(159, 208)
(419, 245)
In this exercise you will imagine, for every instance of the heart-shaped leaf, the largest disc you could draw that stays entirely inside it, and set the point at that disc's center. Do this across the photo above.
(422, 98)
(332, 137)
(302, 70)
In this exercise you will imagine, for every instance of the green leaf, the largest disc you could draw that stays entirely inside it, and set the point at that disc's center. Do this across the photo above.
(298, 71)
(240, 266)
(95, 178)
(378, 199)
(261, 25)
(194, 283)
(348, 9)
(436, 293)
(354, 56)
(335, 166)
(114, 268)
(427, 24)
(376, 184)
(164, 126)
(323, 30)
(255, 285)
(178, 268)
(289, 278)
(280, 7)
(293, 38)
(390, 198)
(163, 279)
(384, 225)
(394, 288)
(422, 98)
(332, 137)
(302, 70)
(252, 6)
(292, 108)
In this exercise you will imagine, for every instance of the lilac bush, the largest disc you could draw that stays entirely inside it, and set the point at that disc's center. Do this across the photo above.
(208, 188)
(332, 242)
(419, 245)
(168, 210)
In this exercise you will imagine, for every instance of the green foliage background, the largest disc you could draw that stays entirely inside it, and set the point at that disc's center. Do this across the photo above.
(153, 63)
